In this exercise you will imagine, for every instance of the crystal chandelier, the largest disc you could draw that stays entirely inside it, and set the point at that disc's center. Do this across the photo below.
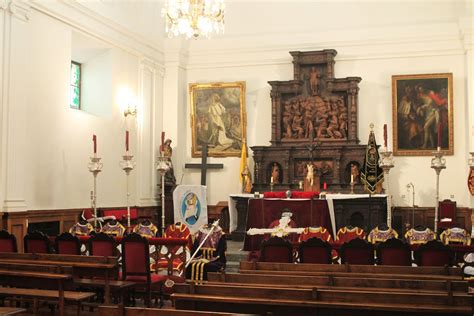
(193, 18)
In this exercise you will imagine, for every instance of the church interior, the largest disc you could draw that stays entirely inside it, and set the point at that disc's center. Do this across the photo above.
(236, 157)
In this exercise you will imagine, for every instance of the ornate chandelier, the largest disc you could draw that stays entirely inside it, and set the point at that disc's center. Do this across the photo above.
(193, 18)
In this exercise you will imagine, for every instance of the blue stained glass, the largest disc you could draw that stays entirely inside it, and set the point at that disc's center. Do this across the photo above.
(75, 86)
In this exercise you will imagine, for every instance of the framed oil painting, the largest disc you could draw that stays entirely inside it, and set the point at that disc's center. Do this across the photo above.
(218, 118)
(422, 114)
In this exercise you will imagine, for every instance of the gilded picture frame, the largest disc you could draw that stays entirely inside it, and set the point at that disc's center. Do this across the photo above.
(218, 118)
(422, 114)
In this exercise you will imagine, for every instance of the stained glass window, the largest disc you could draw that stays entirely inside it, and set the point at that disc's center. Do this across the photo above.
(75, 86)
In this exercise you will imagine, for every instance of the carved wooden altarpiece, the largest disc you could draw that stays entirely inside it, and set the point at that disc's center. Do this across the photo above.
(314, 121)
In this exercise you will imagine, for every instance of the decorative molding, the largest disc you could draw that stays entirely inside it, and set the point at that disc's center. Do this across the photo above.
(20, 9)
(15, 205)
(4, 4)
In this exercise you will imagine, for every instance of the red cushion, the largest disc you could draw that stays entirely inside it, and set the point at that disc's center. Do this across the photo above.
(277, 254)
(395, 257)
(135, 261)
(155, 278)
(274, 195)
(434, 258)
(37, 246)
(103, 248)
(315, 255)
(66, 247)
(304, 195)
(6, 245)
(359, 256)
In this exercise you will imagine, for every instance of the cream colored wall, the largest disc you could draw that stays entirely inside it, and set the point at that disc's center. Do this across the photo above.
(46, 145)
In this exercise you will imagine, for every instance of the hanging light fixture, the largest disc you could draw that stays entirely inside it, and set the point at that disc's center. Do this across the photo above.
(193, 18)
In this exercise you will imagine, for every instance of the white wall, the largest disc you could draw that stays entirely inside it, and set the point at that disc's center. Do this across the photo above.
(46, 145)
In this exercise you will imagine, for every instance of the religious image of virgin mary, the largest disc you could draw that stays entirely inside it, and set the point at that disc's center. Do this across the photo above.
(191, 208)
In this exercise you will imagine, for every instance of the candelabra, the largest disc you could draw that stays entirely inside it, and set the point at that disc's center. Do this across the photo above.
(386, 163)
(163, 166)
(127, 164)
(438, 163)
(95, 166)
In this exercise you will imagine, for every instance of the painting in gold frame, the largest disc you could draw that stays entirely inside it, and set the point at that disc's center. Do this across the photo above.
(422, 114)
(218, 118)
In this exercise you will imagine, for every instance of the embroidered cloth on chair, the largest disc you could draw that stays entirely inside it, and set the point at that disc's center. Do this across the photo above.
(81, 229)
(377, 235)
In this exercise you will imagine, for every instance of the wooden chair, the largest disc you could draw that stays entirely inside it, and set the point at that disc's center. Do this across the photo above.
(393, 252)
(315, 250)
(7, 242)
(447, 214)
(136, 266)
(101, 244)
(357, 251)
(434, 253)
(67, 244)
(36, 242)
(276, 249)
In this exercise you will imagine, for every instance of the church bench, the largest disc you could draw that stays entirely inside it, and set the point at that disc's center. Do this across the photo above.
(136, 311)
(11, 310)
(82, 266)
(285, 306)
(21, 283)
(339, 281)
(372, 269)
(116, 286)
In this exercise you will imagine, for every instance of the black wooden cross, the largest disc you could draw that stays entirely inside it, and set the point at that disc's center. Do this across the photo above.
(204, 165)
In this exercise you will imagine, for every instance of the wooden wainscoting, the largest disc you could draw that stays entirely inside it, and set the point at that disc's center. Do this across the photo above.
(17, 222)
(403, 218)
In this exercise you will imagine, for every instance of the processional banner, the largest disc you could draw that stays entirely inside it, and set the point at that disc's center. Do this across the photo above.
(190, 206)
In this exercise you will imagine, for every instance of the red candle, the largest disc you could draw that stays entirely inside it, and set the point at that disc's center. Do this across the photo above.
(94, 139)
(325, 186)
(385, 135)
(439, 135)
(126, 140)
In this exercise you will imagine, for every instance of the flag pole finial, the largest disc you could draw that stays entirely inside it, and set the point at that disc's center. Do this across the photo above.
(371, 127)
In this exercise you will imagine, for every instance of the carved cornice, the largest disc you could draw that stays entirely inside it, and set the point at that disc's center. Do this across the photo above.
(20, 9)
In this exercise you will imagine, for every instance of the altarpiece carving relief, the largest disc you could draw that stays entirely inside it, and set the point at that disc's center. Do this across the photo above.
(314, 123)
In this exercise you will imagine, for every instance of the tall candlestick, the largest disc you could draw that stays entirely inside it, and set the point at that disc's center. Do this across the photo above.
(385, 135)
(94, 139)
(126, 141)
(439, 136)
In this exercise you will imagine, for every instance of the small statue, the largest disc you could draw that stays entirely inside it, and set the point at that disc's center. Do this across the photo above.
(167, 151)
(275, 177)
(246, 180)
(354, 173)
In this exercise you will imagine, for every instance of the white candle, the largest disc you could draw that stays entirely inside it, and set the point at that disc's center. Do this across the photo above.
(271, 179)
(352, 178)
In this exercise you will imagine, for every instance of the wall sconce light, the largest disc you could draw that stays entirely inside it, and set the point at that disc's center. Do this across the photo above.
(130, 110)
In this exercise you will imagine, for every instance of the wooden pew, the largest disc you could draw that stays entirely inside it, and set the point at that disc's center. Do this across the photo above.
(22, 283)
(136, 311)
(82, 266)
(395, 272)
(284, 300)
(338, 281)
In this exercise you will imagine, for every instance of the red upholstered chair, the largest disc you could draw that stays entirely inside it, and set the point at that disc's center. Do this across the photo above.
(315, 250)
(136, 266)
(393, 252)
(67, 244)
(276, 249)
(7, 242)
(36, 242)
(357, 251)
(121, 214)
(102, 244)
(447, 214)
(434, 253)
